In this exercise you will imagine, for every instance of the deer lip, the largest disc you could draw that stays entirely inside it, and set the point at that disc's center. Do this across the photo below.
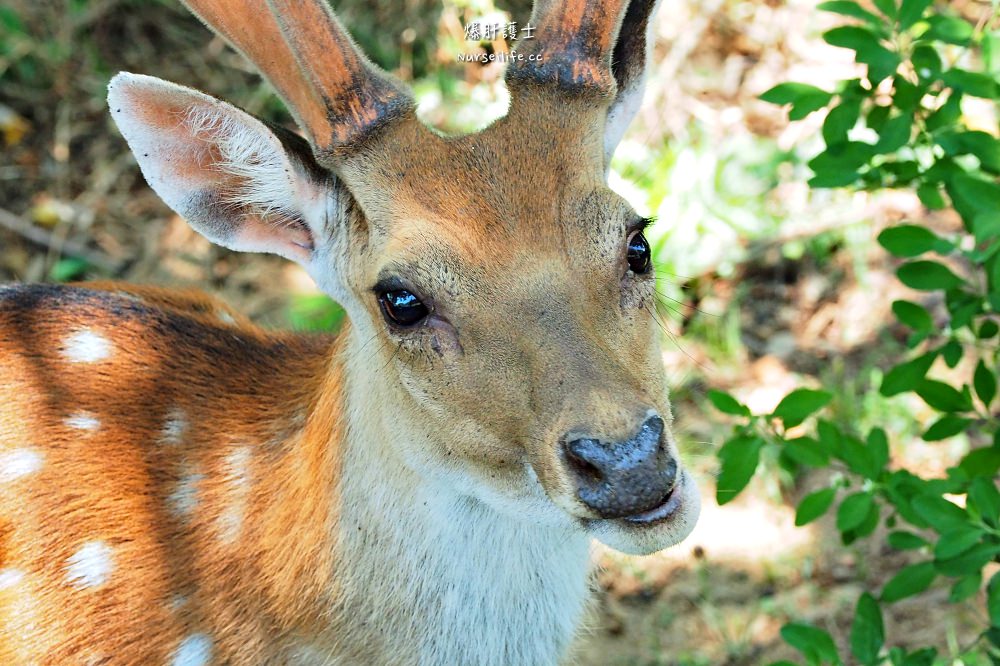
(671, 502)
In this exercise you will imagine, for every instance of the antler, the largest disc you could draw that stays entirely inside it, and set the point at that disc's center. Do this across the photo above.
(335, 93)
(573, 47)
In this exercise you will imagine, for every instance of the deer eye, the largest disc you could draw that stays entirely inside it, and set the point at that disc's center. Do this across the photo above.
(638, 254)
(402, 307)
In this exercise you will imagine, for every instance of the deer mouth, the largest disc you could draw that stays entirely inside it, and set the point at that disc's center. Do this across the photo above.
(667, 507)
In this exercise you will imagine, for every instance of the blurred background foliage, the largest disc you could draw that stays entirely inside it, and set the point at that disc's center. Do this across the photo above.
(766, 284)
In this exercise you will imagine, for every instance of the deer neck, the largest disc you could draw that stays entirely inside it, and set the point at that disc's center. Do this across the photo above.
(426, 569)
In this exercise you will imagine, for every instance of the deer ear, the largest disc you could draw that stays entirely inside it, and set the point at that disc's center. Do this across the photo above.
(238, 182)
(629, 63)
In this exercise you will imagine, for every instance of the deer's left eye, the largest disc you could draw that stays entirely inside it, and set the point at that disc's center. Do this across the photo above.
(402, 307)
(638, 254)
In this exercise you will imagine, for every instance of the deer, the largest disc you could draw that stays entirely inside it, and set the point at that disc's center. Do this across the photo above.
(180, 486)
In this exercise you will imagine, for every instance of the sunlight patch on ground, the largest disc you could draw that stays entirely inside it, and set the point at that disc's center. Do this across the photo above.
(750, 532)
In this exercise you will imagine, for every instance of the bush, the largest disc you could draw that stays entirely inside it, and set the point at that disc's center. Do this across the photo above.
(902, 127)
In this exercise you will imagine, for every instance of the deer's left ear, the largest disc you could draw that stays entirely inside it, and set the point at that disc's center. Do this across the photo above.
(629, 63)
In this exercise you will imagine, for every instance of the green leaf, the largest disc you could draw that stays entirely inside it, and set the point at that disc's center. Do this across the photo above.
(926, 61)
(901, 540)
(906, 96)
(68, 269)
(993, 599)
(852, 37)
(727, 404)
(939, 513)
(986, 225)
(848, 8)
(928, 276)
(930, 196)
(912, 11)
(895, 134)
(803, 97)
(841, 120)
(887, 7)
(971, 83)
(972, 196)
(985, 499)
(984, 146)
(982, 462)
(907, 376)
(968, 562)
(949, 30)
(806, 451)
(913, 315)
(991, 51)
(956, 541)
(908, 240)
(845, 157)
(814, 643)
(814, 505)
(868, 50)
(877, 116)
(965, 587)
(910, 580)
(951, 352)
(867, 630)
(882, 63)
(985, 383)
(878, 448)
(947, 426)
(948, 114)
(795, 407)
(988, 329)
(789, 93)
(738, 458)
(853, 511)
(943, 397)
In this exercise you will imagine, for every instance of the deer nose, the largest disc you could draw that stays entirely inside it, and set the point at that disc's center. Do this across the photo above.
(625, 478)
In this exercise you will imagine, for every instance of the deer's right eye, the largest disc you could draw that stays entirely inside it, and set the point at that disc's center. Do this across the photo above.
(402, 307)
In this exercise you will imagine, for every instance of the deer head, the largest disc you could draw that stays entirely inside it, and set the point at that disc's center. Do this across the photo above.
(500, 295)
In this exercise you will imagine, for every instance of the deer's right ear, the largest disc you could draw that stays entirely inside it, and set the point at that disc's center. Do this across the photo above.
(235, 180)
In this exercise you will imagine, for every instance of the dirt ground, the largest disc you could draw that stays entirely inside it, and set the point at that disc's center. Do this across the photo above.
(69, 189)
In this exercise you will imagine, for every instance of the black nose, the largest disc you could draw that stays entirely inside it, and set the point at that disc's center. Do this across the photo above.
(618, 479)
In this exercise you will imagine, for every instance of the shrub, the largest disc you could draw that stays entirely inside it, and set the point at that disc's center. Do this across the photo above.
(901, 126)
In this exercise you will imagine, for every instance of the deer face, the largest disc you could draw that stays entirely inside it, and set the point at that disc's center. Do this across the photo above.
(505, 294)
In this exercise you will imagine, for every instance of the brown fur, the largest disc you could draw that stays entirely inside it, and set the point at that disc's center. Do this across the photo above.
(114, 486)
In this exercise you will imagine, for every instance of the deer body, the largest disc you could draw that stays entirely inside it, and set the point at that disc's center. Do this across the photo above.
(234, 466)
(179, 486)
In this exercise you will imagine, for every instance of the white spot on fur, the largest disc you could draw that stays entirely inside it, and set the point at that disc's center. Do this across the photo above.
(225, 317)
(19, 462)
(177, 602)
(129, 296)
(91, 565)
(236, 469)
(174, 427)
(184, 499)
(195, 650)
(83, 421)
(10, 577)
(86, 346)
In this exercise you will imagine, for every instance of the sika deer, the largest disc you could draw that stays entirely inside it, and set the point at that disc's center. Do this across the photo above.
(179, 486)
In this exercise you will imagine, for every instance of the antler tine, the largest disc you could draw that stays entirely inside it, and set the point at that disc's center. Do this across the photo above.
(359, 98)
(337, 96)
(573, 49)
